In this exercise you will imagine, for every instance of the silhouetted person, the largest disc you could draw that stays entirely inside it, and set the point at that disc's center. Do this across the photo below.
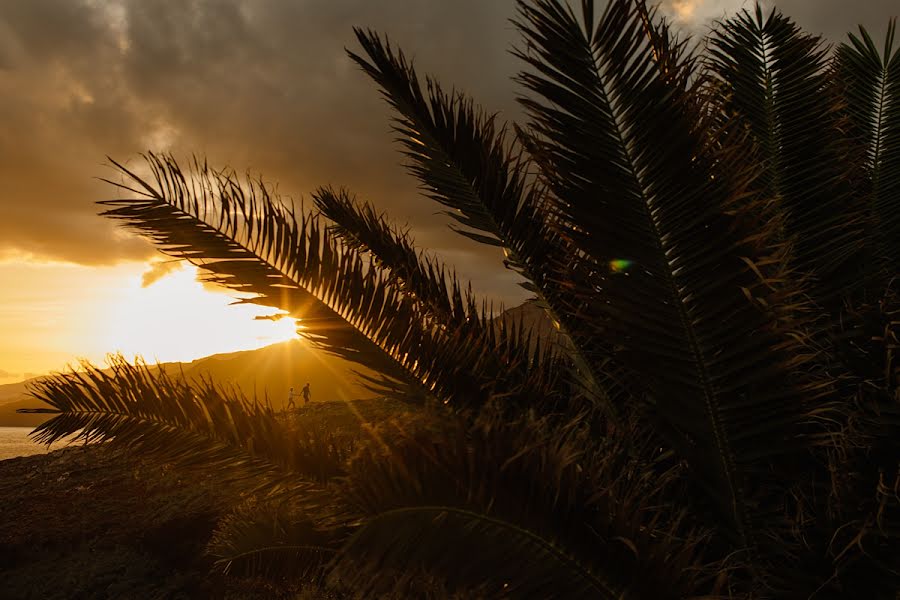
(306, 394)
(291, 399)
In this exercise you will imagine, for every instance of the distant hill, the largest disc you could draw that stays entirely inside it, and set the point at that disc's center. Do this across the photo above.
(531, 315)
(12, 391)
(266, 372)
(273, 370)
(13, 396)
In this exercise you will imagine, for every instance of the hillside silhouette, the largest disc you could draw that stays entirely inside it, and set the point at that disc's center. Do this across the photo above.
(267, 372)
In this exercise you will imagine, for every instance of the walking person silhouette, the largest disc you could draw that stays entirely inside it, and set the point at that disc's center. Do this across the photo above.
(306, 394)
(291, 404)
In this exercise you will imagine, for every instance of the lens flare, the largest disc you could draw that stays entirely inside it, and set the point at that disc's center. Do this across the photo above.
(620, 265)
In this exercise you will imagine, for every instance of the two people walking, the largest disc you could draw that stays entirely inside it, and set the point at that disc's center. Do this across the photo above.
(291, 395)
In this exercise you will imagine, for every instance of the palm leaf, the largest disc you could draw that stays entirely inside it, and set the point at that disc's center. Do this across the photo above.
(243, 239)
(191, 424)
(778, 85)
(870, 82)
(466, 164)
(447, 306)
(505, 552)
(624, 148)
(274, 541)
(249, 242)
(360, 227)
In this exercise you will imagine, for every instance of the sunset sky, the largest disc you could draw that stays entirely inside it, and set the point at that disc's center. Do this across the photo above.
(255, 84)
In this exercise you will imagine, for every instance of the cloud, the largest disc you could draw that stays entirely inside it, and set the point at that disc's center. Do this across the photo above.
(696, 12)
(264, 85)
(159, 269)
(831, 19)
(259, 85)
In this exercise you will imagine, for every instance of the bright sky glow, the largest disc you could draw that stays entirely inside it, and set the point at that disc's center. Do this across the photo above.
(87, 312)
(693, 13)
(176, 319)
(684, 9)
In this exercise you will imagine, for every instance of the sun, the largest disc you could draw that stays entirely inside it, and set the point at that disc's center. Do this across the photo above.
(177, 318)
(685, 9)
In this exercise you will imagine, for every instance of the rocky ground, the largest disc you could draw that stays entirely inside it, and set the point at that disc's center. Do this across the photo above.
(92, 523)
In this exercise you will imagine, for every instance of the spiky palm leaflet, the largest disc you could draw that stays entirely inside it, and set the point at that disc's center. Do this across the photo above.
(467, 164)
(779, 86)
(818, 129)
(360, 226)
(870, 84)
(191, 423)
(622, 145)
(436, 292)
(246, 239)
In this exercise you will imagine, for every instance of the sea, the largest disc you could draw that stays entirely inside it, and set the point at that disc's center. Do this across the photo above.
(14, 442)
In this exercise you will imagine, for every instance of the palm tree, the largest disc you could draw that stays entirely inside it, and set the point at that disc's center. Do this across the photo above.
(709, 227)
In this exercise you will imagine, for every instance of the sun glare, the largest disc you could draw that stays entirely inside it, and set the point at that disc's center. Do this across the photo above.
(685, 9)
(176, 318)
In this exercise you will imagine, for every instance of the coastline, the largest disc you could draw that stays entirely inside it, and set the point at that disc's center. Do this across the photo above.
(15, 443)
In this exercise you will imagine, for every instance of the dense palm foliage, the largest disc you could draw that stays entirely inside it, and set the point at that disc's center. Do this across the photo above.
(711, 229)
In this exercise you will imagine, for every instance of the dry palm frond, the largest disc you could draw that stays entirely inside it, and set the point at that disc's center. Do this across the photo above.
(525, 509)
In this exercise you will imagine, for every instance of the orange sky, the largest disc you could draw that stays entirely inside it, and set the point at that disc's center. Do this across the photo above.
(58, 311)
(258, 85)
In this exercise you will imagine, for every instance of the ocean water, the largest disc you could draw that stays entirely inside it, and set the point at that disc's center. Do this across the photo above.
(14, 442)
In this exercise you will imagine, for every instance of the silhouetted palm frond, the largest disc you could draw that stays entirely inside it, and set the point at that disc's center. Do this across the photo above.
(360, 227)
(446, 306)
(188, 423)
(777, 84)
(625, 152)
(870, 84)
(247, 240)
(466, 164)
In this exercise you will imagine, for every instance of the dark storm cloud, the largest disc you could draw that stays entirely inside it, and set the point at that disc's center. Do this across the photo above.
(62, 108)
(261, 84)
